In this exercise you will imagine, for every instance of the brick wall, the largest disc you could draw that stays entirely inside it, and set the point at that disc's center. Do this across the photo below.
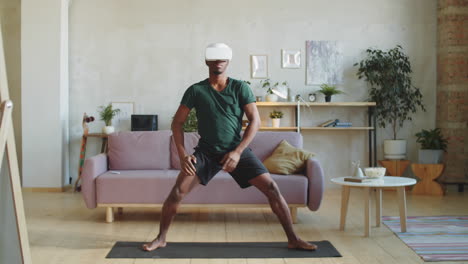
(452, 85)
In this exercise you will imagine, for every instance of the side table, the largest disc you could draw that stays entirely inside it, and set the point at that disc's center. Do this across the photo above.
(395, 168)
(428, 173)
(398, 182)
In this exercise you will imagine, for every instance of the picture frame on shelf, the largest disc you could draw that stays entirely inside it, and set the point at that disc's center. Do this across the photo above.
(259, 66)
(290, 59)
(123, 118)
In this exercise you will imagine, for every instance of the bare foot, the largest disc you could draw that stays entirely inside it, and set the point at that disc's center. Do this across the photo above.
(157, 243)
(301, 244)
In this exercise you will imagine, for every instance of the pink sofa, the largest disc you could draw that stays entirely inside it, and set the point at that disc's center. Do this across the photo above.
(148, 165)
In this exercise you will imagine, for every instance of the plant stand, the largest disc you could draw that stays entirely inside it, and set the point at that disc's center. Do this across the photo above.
(428, 173)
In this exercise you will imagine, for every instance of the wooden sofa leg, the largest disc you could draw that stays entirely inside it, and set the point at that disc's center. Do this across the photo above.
(109, 214)
(120, 210)
(293, 214)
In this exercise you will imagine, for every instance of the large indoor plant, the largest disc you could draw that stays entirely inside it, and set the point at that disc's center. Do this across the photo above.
(106, 113)
(388, 74)
(433, 146)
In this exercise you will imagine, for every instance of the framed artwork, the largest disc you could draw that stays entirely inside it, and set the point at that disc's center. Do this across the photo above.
(324, 62)
(291, 59)
(259, 66)
(122, 121)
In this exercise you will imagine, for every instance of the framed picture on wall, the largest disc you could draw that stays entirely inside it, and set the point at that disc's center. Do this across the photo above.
(291, 59)
(259, 66)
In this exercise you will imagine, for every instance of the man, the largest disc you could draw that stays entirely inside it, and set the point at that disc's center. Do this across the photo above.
(220, 102)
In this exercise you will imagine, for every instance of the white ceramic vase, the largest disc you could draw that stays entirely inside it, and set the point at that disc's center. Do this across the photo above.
(275, 122)
(271, 98)
(108, 129)
(395, 149)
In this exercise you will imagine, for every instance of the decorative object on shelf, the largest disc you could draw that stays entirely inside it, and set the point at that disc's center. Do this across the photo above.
(107, 114)
(324, 62)
(291, 59)
(274, 90)
(259, 98)
(259, 66)
(276, 118)
(122, 120)
(388, 74)
(328, 91)
(433, 146)
(312, 97)
(357, 172)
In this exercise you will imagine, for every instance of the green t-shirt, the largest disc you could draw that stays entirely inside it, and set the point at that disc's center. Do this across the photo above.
(219, 114)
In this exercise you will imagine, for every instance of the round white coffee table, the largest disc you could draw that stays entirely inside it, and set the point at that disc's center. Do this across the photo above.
(395, 182)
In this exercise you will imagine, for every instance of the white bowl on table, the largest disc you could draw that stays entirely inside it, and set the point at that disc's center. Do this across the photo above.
(377, 173)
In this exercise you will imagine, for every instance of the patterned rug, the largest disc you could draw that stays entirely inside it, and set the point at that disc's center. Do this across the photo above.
(434, 238)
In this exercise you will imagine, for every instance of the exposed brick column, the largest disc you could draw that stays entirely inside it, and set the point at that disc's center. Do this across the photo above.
(452, 85)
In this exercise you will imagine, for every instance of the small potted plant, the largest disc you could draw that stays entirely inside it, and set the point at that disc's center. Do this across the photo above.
(433, 146)
(269, 85)
(328, 91)
(107, 114)
(275, 118)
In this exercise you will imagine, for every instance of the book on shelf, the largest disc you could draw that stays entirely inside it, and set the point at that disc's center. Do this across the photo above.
(360, 179)
(332, 123)
(327, 122)
(343, 124)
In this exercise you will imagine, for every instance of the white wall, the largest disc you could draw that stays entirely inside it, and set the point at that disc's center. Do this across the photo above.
(149, 52)
(43, 91)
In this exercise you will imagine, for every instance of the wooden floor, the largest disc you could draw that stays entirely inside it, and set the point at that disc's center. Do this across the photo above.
(62, 230)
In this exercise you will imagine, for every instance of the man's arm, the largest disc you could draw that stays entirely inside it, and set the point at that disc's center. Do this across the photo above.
(251, 112)
(231, 159)
(178, 134)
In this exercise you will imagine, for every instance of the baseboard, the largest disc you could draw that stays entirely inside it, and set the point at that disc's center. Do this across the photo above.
(47, 189)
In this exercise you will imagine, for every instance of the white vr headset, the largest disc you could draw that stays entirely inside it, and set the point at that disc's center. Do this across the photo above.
(218, 51)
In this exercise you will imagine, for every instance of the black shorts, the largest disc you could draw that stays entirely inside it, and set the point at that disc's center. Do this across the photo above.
(208, 165)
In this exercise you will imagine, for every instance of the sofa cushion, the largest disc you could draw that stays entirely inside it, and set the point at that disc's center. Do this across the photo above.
(287, 159)
(265, 142)
(190, 142)
(153, 186)
(139, 150)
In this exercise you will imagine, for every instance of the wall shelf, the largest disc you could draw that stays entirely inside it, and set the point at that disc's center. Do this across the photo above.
(298, 105)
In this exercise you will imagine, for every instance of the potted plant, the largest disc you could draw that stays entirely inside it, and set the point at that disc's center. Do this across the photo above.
(433, 146)
(107, 114)
(388, 73)
(191, 123)
(275, 118)
(328, 91)
(269, 85)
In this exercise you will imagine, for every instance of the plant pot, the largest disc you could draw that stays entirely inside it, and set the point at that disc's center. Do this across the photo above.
(271, 98)
(430, 156)
(275, 122)
(108, 129)
(328, 98)
(395, 149)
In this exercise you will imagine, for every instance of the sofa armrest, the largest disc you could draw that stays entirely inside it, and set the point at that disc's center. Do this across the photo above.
(92, 168)
(314, 173)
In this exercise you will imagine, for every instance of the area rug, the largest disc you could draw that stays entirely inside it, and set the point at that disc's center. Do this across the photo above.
(434, 238)
(222, 250)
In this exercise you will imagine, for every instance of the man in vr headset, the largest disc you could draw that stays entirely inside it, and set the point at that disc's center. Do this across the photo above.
(220, 102)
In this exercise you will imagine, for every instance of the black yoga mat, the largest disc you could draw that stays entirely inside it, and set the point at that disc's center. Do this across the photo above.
(222, 250)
